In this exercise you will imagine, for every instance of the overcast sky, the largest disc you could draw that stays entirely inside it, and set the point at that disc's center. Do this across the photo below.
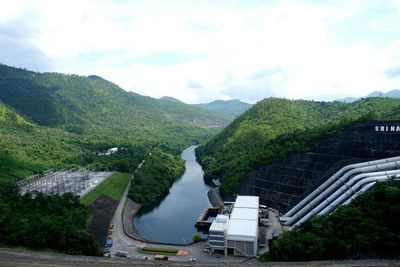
(199, 51)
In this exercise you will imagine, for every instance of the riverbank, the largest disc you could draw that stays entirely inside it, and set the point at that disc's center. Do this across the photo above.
(130, 210)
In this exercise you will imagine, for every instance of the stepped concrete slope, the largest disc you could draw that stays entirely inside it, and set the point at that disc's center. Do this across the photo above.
(285, 183)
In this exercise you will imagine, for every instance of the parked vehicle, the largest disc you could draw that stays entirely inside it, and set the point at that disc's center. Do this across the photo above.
(160, 258)
(121, 253)
(108, 243)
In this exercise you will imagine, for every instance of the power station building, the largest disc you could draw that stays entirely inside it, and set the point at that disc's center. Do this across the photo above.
(237, 233)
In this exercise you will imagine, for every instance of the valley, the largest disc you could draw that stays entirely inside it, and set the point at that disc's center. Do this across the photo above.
(277, 149)
(199, 133)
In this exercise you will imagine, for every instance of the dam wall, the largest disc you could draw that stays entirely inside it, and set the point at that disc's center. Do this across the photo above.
(284, 183)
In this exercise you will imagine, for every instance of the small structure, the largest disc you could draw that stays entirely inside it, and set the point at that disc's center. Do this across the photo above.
(111, 151)
(206, 218)
(217, 233)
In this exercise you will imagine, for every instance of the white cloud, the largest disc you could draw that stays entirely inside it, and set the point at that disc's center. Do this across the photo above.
(227, 49)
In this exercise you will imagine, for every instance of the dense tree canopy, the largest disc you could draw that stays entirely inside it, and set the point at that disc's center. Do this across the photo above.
(155, 177)
(56, 222)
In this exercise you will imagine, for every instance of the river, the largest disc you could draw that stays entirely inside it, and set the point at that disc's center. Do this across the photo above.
(172, 220)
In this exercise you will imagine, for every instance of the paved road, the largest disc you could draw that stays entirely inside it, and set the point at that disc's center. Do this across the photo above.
(20, 258)
(121, 242)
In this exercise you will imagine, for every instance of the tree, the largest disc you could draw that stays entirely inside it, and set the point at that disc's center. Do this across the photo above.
(196, 238)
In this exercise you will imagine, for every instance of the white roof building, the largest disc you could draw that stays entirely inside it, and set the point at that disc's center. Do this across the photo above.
(217, 232)
(242, 230)
(245, 214)
(242, 234)
(237, 233)
(220, 224)
(247, 202)
(112, 150)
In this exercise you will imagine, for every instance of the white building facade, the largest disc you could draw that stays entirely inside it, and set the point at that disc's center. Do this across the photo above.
(239, 230)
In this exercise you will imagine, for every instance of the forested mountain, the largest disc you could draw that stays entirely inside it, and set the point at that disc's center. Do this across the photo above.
(233, 107)
(205, 118)
(58, 120)
(275, 128)
(391, 94)
(26, 147)
(79, 103)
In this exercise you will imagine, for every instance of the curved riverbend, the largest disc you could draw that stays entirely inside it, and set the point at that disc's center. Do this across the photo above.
(172, 220)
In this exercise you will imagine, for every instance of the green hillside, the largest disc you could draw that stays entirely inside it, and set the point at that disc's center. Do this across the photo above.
(196, 115)
(92, 105)
(53, 120)
(26, 148)
(367, 228)
(233, 107)
(275, 128)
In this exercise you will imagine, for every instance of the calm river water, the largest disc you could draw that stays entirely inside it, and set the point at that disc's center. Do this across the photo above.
(172, 221)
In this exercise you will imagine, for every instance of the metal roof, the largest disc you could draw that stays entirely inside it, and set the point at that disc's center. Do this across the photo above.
(220, 223)
(243, 223)
(246, 230)
(247, 202)
(245, 214)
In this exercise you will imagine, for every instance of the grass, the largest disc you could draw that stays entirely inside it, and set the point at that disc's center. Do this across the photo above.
(158, 251)
(114, 187)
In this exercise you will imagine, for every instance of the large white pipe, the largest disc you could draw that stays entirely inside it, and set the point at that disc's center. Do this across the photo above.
(348, 194)
(336, 185)
(344, 190)
(319, 189)
(357, 178)
(362, 190)
(355, 188)
(332, 179)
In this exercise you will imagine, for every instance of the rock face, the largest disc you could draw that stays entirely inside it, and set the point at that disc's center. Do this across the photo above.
(286, 182)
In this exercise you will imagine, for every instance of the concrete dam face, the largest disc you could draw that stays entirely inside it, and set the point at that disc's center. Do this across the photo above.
(284, 183)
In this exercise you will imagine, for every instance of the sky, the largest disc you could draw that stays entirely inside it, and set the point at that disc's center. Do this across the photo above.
(199, 51)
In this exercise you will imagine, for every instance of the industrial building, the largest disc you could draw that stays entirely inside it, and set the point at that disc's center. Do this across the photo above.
(217, 233)
(237, 233)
